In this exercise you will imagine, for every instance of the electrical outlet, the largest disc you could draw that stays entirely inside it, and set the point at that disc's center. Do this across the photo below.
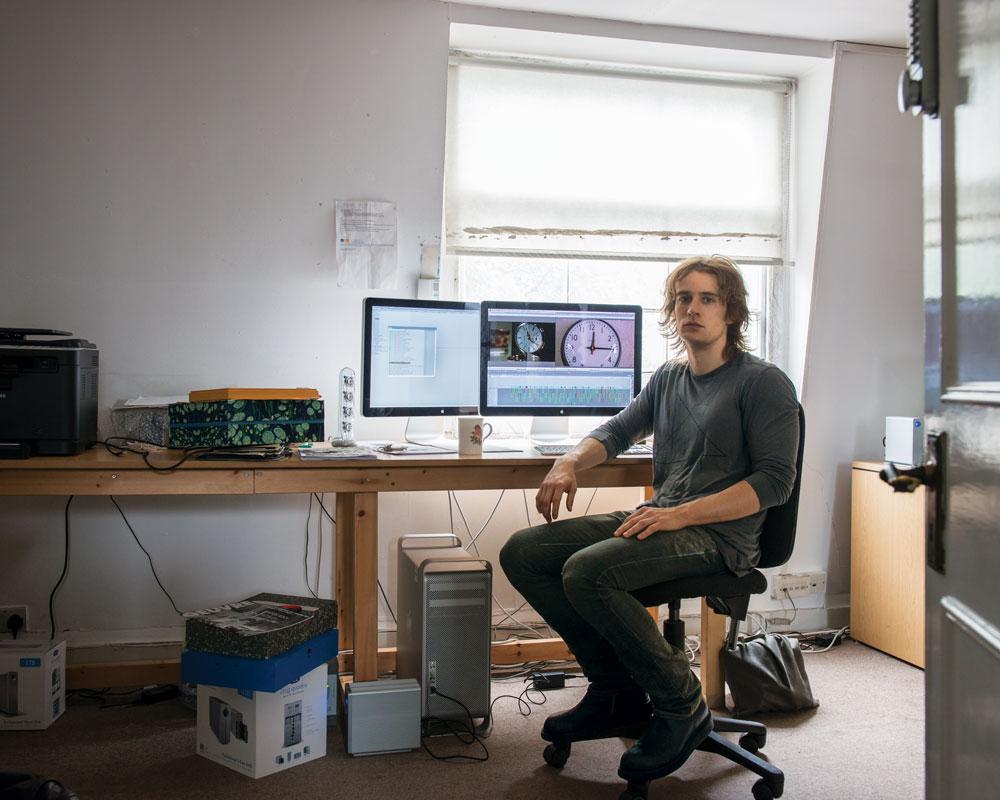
(432, 670)
(6, 612)
(798, 584)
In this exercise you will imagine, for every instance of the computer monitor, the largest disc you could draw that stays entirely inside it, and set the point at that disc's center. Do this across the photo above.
(559, 359)
(421, 358)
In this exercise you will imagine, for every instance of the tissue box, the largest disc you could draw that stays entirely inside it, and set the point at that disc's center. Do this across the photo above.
(146, 423)
(243, 422)
(32, 684)
(259, 733)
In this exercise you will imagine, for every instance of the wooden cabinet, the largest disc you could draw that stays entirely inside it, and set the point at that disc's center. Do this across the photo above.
(887, 565)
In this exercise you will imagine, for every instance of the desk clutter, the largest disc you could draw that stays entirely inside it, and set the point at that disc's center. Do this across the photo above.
(223, 418)
(261, 669)
(226, 417)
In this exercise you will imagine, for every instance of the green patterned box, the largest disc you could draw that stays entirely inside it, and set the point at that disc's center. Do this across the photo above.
(239, 422)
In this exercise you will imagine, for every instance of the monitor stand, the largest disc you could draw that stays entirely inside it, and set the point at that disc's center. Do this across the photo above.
(428, 431)
(549, 430)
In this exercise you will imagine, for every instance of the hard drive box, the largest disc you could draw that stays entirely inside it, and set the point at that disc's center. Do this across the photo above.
(259, 733)
(32, 684)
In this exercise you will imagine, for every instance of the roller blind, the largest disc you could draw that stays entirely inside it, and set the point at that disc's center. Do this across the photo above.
(569, 160)
(587, 184)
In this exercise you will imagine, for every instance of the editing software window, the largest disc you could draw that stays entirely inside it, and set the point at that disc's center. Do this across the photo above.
(422, 358)
(574, 360)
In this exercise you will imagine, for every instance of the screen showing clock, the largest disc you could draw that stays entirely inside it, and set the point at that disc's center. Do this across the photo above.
(559, 358)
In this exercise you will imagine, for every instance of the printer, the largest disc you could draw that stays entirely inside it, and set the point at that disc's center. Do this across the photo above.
(48, 393)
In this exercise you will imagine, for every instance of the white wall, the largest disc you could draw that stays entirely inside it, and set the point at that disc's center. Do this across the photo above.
(810, 127)
(864, 352)
(169, 173)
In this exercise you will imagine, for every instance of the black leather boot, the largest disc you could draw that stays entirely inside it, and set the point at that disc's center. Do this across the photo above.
(601, 713)
(665, 745)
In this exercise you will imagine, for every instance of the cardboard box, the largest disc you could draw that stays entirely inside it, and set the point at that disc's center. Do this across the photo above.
(245, 422)
(32, 684)
(259, 733)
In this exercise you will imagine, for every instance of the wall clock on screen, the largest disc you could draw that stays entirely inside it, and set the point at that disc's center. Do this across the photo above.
(591, 343)
(528, 338)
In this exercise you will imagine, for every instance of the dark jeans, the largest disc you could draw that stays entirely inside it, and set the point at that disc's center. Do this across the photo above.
(578, 576)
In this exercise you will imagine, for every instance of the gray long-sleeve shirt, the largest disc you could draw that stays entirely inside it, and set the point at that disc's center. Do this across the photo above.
(738, 422)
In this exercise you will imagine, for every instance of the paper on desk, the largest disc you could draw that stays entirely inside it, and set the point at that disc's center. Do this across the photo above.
(324, 451)
(366, 243)
(153, 402)
(414, 450)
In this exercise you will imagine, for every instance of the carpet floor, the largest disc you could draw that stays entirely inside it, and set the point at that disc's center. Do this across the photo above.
(866, 740)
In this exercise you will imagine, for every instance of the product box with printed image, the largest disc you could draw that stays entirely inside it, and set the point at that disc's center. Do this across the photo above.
(32, 684)
(258, 733)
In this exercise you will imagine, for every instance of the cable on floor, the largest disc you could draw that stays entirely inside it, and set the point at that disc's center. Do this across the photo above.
(459, 731)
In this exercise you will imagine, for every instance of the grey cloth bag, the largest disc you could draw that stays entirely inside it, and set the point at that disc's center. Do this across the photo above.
(767, 673)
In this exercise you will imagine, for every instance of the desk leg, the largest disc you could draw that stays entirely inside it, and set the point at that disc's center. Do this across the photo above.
(344, 549)
(366, 586)
(713, 637)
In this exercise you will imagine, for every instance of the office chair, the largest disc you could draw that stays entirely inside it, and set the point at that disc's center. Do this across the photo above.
(730, 596)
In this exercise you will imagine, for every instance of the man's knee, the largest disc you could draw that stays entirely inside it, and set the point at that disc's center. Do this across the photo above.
(515, 554)
(582, 574)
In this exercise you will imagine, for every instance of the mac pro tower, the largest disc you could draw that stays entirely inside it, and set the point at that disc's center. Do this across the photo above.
(443, 637)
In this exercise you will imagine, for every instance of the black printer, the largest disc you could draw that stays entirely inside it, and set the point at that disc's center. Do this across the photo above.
(48, 393)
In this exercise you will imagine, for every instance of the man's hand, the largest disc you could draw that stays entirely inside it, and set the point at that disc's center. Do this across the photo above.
(738, 501)
(560, 480)
(644, 522)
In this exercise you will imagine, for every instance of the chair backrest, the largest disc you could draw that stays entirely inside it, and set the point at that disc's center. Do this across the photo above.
(777, 535)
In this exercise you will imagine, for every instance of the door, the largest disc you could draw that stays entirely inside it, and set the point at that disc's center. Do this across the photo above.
(962, 397)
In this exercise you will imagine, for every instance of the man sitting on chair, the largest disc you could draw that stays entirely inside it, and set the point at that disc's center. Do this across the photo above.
(725, 427)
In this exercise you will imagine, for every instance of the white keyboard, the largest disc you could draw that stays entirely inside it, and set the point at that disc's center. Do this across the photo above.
(563, 449)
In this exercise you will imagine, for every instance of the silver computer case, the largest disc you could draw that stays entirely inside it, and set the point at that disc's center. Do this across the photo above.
(443, 636)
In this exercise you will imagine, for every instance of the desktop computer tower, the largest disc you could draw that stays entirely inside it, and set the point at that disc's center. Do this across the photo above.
(443, 636)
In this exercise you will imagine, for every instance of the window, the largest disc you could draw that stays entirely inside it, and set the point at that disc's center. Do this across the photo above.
(570, 182)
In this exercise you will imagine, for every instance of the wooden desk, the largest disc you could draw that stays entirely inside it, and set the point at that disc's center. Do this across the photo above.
(357, 485)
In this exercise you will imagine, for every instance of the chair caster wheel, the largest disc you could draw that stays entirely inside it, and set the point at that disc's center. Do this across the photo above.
(761, 791)
(637, 790)
(751, 742)
(556, 755)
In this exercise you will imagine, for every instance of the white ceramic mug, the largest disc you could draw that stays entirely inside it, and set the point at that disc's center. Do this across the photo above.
(471, 435)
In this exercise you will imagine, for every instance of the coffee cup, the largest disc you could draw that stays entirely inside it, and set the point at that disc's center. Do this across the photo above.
(472, 432)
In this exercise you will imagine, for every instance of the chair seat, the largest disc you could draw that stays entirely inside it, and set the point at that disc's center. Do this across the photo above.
(753, 582)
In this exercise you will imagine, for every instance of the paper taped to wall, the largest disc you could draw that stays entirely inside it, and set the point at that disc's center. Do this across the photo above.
(366, 243)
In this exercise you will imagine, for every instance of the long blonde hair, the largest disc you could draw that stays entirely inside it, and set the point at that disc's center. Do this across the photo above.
(732, 293)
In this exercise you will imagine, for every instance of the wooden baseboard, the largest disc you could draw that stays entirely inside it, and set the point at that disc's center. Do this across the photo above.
(122, 673)
(144, 673)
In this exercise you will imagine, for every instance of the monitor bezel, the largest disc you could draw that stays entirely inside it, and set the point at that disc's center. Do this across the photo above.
(553, 411)
(403, 411)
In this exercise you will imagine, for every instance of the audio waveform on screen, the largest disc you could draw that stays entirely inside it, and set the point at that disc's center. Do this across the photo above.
(601, 397)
